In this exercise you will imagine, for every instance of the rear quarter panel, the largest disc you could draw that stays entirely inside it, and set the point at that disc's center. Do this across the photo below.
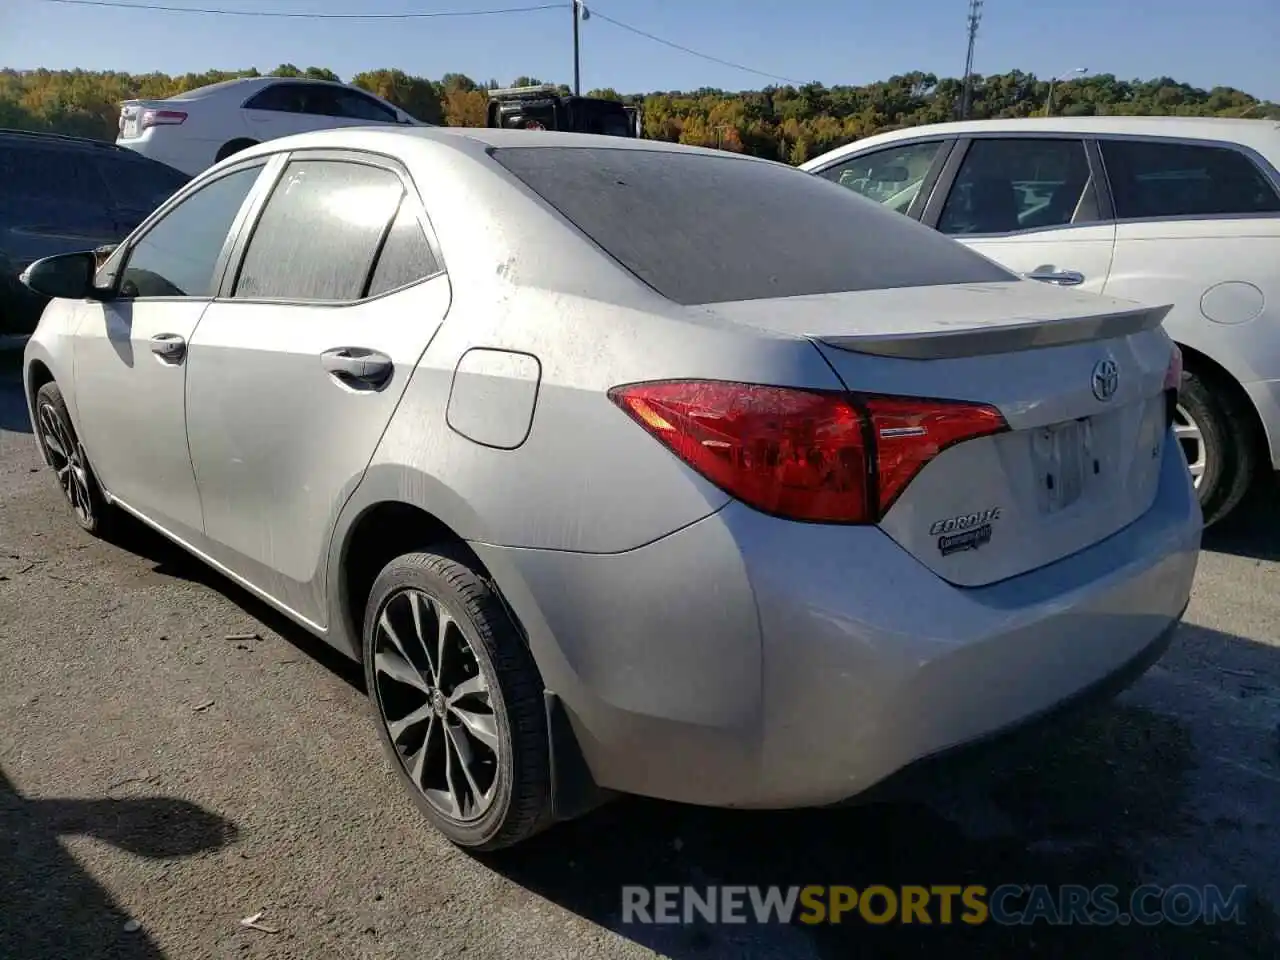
(586, 477)
(1223, 278)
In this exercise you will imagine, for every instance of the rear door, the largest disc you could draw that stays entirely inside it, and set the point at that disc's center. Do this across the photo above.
(280, 110)
(295, 371)
(1031, 203)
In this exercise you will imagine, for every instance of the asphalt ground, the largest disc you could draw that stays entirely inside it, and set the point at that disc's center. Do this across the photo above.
(162, 779)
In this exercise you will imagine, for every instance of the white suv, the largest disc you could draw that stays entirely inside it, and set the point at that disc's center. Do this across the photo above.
(1160, 209)
(193, 130)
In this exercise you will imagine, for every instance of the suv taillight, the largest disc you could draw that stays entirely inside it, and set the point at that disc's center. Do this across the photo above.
(160, 118)
(809, 455)
(1172, 384)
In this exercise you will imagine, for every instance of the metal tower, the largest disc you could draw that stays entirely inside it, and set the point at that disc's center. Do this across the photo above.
(975, 16)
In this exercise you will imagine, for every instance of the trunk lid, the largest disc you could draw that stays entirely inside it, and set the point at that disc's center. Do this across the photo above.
(1078, 377)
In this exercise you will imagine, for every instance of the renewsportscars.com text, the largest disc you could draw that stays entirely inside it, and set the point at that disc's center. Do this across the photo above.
(1007, 904)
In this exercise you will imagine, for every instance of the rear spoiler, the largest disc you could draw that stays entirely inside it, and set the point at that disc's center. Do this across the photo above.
(1002, 337)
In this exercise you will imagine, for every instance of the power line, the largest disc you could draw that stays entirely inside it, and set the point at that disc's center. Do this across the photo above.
(689, 50)
(313, 15)
(299, 15)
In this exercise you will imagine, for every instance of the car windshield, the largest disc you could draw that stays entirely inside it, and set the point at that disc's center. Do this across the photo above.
(706, 228)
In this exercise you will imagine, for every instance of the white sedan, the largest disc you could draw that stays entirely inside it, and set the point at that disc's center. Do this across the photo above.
(194, 130)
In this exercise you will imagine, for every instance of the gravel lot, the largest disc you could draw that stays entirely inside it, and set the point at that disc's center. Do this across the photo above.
(155, 771)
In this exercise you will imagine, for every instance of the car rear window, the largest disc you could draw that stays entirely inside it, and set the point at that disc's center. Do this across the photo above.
(702, 228)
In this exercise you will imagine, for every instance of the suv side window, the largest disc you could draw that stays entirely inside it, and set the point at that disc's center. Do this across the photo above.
(319, 232)
(892, 176)
(177, 255)
(37, 173)
(406, 257)
(1155, 179)
(1006, 185)
(138, 185)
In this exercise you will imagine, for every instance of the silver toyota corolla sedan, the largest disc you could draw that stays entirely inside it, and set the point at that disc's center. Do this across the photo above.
(627, 467)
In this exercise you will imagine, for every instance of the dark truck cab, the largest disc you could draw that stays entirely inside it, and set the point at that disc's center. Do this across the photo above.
(545, 108)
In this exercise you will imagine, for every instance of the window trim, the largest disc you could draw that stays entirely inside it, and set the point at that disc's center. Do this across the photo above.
(1250, 155)
(235, 255)
(946, 146)
(1087, 213)
(124, 252)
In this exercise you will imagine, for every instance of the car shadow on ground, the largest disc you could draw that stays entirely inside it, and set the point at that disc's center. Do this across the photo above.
(52, 908)
(1253, 529)
(170, 560)
(1077, 815)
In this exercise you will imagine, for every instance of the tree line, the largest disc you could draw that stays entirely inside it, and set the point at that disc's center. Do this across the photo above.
(786, 123)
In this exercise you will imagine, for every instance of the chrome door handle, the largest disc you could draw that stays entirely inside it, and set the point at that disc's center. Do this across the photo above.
(358, 366)
(169, 347)
(1063, 278)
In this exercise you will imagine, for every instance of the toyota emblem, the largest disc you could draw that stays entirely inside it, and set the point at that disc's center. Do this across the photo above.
(1106, 378)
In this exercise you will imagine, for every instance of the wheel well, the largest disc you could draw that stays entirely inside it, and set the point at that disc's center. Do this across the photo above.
(37, 376)
(383, 533)
(234, 146)
(1221, 379)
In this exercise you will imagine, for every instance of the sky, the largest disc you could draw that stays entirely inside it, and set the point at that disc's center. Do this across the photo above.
(1228, 42)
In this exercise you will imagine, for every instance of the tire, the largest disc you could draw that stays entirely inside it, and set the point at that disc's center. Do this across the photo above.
(1218, 439)
(70, 463)
(508, 783)
(232, 147)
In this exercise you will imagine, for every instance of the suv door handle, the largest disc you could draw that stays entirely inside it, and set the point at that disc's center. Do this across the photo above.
(358, 367)
(1063, 278)
(169, 347)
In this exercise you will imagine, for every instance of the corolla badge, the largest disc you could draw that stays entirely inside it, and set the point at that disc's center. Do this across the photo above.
(1106, 379)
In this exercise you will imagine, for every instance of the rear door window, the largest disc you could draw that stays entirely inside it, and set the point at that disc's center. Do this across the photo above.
(406, 256)
(1160, 179)
(708, 228)
(1018, 183)
(279, 97)
(319, 232)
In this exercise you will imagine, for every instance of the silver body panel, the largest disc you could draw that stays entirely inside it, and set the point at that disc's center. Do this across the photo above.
(704, 651)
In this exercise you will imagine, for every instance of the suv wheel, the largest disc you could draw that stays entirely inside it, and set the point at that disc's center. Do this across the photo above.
(458, 701)
(1216, 437)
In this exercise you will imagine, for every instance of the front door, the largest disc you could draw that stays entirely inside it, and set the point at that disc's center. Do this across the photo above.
(293, 377)
(130, 353)
(1028, 203)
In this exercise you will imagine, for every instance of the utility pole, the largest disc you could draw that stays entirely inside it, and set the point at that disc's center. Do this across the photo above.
(577, 70)
(975, 16)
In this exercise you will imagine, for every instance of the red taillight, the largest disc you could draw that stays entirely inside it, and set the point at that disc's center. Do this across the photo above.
(159, 118)
(803, 454)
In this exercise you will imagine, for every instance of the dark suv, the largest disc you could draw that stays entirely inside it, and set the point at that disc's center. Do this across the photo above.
(62, 194)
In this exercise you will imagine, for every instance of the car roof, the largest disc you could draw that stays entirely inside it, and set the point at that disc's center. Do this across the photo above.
(1258, 134)
(471, 140)
(43, 138)
(245, 84)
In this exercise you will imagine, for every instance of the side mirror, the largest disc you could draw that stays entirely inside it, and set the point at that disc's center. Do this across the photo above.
(66, 276)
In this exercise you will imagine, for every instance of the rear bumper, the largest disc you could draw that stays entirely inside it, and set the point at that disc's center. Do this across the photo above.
(748, 661)
(191, 155)
(1001, 748)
